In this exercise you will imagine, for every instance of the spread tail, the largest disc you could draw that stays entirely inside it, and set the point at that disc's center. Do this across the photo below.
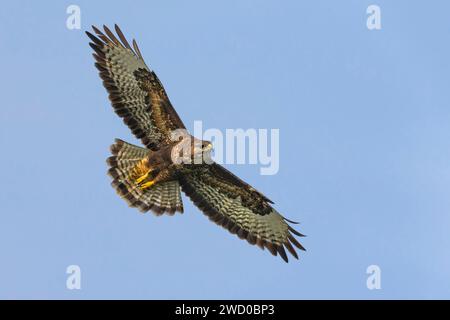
(160, 198)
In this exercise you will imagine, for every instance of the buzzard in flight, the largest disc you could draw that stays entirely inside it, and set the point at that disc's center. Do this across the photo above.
(152, 178)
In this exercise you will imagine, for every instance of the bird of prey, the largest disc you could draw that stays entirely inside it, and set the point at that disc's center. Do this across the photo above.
(151, 178)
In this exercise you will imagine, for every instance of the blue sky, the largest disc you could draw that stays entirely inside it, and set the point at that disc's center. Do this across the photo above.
(364, 149)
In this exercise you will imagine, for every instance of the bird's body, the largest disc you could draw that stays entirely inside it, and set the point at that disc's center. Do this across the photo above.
(166, 162)
(151, 178)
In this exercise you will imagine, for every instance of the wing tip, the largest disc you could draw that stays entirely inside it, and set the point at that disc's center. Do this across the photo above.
(282, 253)
(275, 248)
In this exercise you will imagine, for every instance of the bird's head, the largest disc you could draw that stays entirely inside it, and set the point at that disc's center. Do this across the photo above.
(190, 150)
(201, 150)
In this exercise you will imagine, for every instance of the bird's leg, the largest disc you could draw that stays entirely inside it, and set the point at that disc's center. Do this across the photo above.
(146, 185)
(157, 174)
(141, 172)
(157, 177)
(143, 177)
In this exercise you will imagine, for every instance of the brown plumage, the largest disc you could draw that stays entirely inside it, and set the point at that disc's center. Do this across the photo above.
(150, 179)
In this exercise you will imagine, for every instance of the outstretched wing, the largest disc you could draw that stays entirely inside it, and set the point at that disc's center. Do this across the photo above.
(135, 91)
(235, 205)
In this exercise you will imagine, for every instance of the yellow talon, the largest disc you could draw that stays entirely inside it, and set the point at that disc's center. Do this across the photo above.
(143, 177)
(141, 172)
(146, 185)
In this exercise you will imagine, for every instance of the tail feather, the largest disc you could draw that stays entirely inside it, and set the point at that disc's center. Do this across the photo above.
(164, 197)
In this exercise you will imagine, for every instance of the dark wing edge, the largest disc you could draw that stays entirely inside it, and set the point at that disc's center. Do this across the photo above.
(269, 230)
(135, 91)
